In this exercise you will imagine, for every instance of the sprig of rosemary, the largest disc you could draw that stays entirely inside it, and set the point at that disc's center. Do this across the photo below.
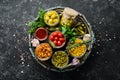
(39, 22)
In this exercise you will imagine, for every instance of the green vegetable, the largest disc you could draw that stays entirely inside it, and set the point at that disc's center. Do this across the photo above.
(52, 29)
(39, 22)
(53, 45)
(67, 31)
(80, 28)
(72, 40)
(33, 26)
(60, 59)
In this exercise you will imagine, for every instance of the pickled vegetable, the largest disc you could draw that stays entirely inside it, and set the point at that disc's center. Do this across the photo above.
(68, 17)
(43, 51)
(80, 29)
(57, 39)
(79, 50)
(66, 22)
(51, 18)
(60, 59)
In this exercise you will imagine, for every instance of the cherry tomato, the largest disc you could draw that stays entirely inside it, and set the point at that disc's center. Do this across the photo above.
(62, 40)
(56, 38)
(55, 34)
(51, 38)
(55, 42)
(58, 43)
(60, 35)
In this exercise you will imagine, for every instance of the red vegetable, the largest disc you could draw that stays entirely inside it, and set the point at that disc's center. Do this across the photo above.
(58, 43)
(62, 39)
(55, 34)
(60, 35)
(57, 38)
(51, 38)
(55, 42)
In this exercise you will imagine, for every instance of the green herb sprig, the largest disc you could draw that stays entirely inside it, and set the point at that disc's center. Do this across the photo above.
(68, 32)
(39, 22)
(78, 44)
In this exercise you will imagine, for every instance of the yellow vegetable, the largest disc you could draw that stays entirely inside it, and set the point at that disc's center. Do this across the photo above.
(68, 17)
(51, 18)
(66, 22)
(47, 18)
(43, 51)
(77, 51)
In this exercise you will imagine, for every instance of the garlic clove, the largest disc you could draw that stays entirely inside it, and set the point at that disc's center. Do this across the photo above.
(35, 42)
(75, 61)
(86, 37)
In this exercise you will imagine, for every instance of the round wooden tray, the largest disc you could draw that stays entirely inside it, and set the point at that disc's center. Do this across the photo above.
(48, 64)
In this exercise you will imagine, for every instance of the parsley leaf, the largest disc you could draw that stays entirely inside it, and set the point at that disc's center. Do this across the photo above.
(39, 22)
(67, 31)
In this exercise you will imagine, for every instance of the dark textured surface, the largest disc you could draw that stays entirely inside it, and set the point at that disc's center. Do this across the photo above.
(16, 62)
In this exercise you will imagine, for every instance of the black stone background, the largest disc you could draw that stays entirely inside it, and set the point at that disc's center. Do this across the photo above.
(16, 62)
